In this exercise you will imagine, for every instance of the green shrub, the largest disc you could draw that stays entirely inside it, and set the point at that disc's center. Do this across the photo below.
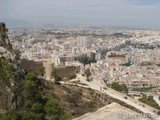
(149, 101)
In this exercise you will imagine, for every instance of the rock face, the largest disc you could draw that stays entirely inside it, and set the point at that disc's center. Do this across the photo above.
(4, 39)
(6, 50)
(6, 54)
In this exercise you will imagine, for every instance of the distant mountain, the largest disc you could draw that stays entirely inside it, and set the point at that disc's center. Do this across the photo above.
(12, 23)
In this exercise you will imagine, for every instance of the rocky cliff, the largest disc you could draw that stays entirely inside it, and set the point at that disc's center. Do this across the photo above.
(8, 68)
(6, 50)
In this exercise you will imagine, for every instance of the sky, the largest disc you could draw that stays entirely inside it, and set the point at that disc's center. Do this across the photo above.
(116, 13)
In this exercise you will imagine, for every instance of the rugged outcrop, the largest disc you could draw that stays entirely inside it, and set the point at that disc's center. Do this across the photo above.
(6, 50)
(4, 39)
(10, 70)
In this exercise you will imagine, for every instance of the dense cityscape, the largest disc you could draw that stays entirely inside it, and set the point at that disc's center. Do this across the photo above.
(126, 56)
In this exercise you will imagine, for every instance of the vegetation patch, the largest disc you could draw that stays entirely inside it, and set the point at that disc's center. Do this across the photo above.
(149, 101)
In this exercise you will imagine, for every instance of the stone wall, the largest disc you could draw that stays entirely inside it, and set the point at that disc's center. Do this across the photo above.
(29, 65)
(66, 72)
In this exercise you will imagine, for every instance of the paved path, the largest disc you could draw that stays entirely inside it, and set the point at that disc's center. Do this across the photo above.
(156, 98)
(98, 85)
(112, 93)
(113, 111)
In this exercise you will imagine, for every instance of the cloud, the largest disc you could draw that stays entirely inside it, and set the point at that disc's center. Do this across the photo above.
(144, 2)
(98, 12)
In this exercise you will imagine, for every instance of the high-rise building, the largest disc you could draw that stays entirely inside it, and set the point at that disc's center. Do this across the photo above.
(84, 42)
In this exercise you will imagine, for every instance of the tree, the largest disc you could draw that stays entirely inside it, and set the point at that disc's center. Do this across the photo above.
(54, 111)
(149, 101)
(120, 88)
(7, 72)
(124, 88)
(86, 60)
(115, 86)
(87, 73)
(33, 104)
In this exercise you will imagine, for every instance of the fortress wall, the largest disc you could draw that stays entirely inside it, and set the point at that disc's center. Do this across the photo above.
(66, 72)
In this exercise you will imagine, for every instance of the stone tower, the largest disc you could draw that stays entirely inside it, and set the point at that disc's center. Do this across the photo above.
(49, 68)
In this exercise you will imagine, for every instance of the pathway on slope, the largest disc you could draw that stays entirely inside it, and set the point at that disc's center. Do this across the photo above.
(156, 98)
(98, 85)
(112, 111)
(113, 94)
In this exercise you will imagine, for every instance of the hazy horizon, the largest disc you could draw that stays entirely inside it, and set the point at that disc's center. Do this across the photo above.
(111, 13)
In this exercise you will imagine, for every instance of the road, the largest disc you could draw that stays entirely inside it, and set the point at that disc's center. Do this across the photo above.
(98, 85)
(156, 98)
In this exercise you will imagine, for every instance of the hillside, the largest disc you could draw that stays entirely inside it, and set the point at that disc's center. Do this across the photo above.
(76, 100)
